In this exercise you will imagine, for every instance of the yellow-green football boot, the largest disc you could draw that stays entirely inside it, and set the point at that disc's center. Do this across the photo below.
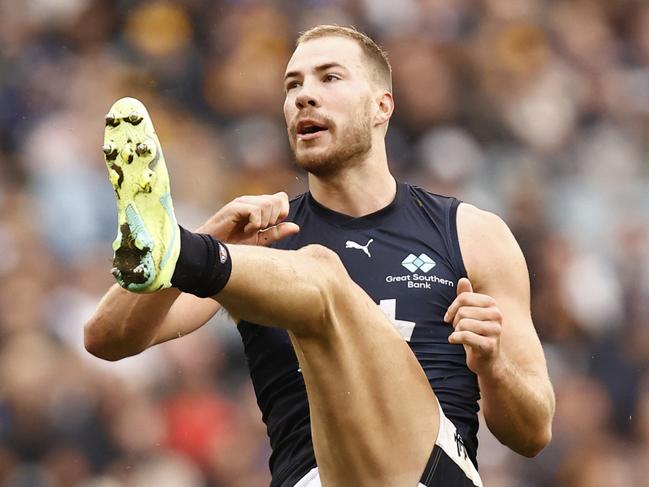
(148, 238)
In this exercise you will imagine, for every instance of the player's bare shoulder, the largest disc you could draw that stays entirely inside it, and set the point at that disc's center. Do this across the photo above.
(488, 247)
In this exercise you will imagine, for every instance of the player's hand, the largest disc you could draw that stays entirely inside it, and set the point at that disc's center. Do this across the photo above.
(477, 323)
(252, 220)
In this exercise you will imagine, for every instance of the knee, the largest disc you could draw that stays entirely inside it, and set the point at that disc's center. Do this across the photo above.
(328, 282)
(328, 271)
(319, 252)
(323, 257)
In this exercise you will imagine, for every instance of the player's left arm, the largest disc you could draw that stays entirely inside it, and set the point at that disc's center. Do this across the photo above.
(492, 320)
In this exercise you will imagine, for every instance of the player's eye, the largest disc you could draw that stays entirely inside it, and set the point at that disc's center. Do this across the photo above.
(331, 77)
(292, 84)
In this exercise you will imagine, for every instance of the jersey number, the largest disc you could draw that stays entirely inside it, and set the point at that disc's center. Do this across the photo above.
(405, 328)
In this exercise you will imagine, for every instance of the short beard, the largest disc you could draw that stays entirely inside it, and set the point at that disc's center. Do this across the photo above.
(353, 144)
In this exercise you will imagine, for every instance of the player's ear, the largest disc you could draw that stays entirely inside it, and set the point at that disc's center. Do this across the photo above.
(385, 108)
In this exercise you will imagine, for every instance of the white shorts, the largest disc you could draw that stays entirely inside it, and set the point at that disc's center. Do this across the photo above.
(312, 479)
(448, 455)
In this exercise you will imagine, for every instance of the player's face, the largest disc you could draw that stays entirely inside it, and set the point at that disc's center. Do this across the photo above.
(328, 106)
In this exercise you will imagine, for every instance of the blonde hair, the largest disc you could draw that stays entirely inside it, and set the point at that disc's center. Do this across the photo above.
(374, 53)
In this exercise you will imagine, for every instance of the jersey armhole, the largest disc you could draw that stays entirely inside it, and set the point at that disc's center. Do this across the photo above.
(456, 252)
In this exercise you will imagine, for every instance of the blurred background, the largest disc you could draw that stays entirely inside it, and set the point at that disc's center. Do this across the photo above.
(535, 109)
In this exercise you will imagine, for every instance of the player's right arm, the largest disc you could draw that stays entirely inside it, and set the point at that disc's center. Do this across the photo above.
(126, 323)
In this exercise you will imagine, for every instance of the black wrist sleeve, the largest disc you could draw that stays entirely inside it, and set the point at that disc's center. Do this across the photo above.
(203, 267)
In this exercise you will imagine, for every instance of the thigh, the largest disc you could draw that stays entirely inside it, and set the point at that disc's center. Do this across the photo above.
(374, 416)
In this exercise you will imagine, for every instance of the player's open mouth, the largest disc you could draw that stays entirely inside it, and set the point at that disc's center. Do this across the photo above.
(309, 130)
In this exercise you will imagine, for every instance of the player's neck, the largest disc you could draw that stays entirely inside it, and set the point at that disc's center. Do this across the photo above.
(356, 191)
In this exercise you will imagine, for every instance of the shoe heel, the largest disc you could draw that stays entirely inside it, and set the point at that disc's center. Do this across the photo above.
(133, 255)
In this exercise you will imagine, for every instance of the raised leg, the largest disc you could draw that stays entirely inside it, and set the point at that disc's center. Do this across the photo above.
(374, 416)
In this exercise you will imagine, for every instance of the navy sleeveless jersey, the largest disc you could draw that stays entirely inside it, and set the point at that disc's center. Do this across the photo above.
(406, 257)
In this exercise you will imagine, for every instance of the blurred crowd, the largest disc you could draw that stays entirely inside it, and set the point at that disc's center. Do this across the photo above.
(534, 109)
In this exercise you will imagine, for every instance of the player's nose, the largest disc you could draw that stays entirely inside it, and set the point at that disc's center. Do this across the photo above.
(307, 97)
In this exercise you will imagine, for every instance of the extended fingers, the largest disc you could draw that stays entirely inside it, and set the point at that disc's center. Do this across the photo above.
(491, 313)
(485, 345)
(468, 299)
(482, 328)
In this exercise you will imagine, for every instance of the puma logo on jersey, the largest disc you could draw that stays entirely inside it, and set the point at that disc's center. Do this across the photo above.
(350, 244)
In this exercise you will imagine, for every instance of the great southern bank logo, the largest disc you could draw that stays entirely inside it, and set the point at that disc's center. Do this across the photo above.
(422, 263)
(419, 277)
